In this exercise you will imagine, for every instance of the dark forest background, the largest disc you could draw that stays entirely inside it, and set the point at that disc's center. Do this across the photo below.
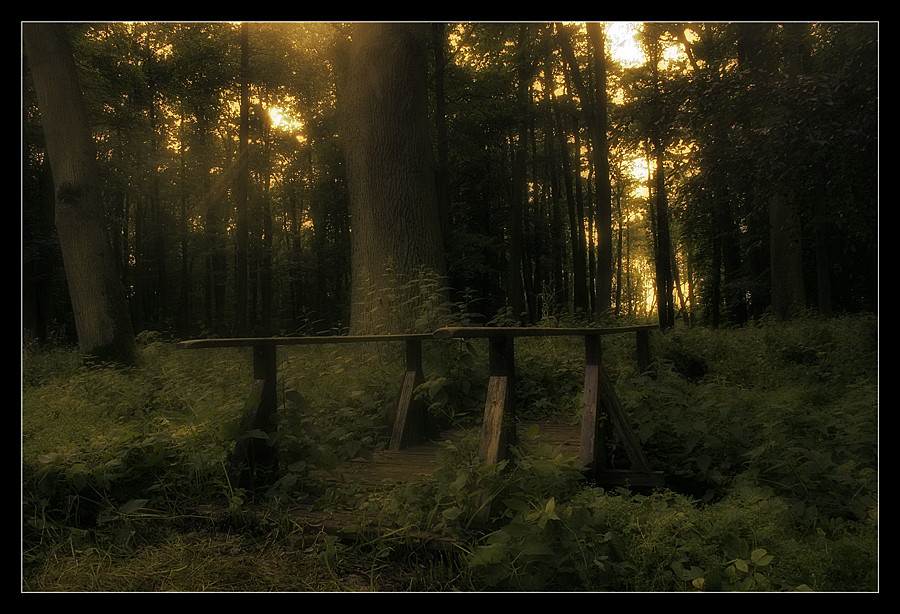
(734, 149)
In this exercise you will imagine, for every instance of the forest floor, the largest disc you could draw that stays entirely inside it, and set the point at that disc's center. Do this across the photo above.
(768, 436)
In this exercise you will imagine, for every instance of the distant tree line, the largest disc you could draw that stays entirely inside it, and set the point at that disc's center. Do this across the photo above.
(756, 144)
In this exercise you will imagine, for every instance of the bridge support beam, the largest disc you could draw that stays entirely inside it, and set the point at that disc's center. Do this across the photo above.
(409, 422)
(498, 428)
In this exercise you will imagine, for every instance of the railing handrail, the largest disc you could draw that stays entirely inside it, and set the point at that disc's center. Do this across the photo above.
(456, 332)
(256, 341)
(446, 332)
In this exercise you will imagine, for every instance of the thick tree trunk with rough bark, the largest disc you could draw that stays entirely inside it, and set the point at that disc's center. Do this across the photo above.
(101, 316)
(395, 226)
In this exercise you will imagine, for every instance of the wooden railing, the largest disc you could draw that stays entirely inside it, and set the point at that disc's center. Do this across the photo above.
(409, 421)
(498, 430)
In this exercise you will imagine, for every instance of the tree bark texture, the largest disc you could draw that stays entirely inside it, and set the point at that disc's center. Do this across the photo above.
(601, 175)
(664, 281)
(101, 316)
(241, 190)
(788, 294)
(395, 226)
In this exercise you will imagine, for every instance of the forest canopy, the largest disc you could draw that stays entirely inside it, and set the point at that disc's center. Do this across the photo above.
(715, 173)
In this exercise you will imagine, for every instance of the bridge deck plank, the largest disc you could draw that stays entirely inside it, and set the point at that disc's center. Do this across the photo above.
(395, 466)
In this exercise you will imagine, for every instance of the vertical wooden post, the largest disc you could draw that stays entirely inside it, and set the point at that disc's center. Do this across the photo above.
(265, 368)
(251, 453)
(643, 350)
(593, 421)
(409, 423)
(498, 430)
(498, 427)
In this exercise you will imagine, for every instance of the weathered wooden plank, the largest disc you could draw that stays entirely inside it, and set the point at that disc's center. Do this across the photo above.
(499, 408)
(460, 332)
(389, 467)
(593, 435)
(409, 425)
(593, 440)
(409, 422)
(619, 420)
(325, 339)
(494, 427)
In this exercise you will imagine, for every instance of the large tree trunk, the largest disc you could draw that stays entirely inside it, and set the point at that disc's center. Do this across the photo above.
(101, 316)
(442, 176)
(394, 213)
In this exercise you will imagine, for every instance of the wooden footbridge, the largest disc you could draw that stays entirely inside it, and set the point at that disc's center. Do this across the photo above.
(410, 452)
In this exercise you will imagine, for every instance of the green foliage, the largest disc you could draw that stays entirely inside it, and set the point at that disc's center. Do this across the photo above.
(456, 375)
(771, 463)
(770, 458)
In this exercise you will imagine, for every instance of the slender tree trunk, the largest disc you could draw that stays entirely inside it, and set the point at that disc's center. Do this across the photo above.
(629, 286)
(138, 279)
(689, 273)
(557, 241)
(516, 288)
(396, 224)
(734, 290)
(618, 301)
(601, 178)
(156, 270)
(101, 315)
(663, 243)
(241, 190)
(664, 283)
(184, 232)
(575, 209)
(266, 274)
(822, 257)
(786, 262)
(715, 282)
(570, 178)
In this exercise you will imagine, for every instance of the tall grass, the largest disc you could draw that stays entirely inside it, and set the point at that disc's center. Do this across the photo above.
(768, 436)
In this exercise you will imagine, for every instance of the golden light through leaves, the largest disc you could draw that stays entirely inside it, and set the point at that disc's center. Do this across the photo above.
(281, 121)
(623, 44)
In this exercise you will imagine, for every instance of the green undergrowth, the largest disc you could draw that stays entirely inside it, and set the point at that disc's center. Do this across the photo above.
(767, 435)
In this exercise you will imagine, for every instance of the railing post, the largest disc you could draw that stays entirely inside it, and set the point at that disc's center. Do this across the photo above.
(253, 453)
(409, 423)
(643, 350)
(498, 427)
(265, 368)
(593, 422)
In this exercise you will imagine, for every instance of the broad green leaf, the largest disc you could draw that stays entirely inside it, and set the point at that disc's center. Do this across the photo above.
(129, 507)
(451, 513)
(760, 557)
